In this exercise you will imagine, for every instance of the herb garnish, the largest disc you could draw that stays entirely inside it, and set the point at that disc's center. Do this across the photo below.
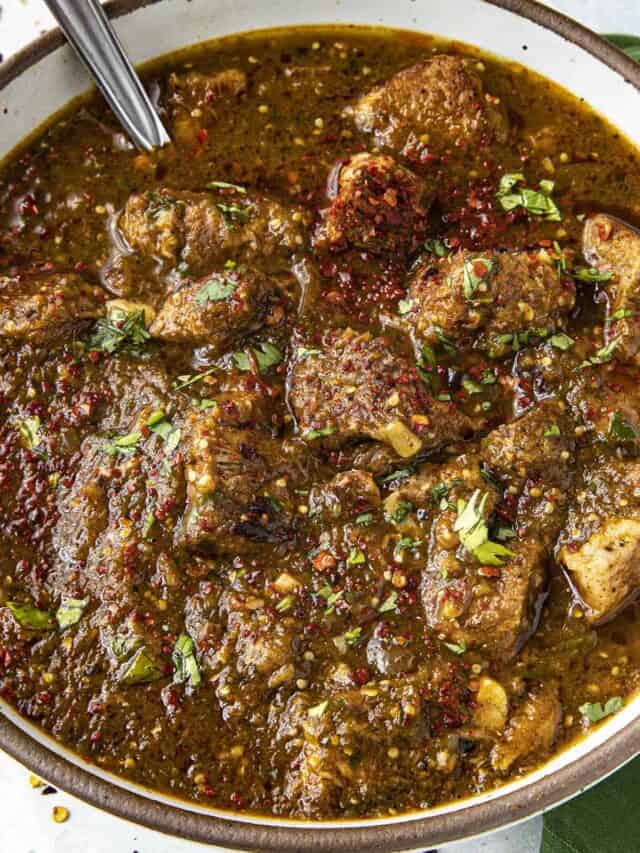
(141, 669)
(620, 429)
(536, 202)
(474, 533)
(312, 434)
(189, 379)
(266, 356)
(390, 603)
(29, 430)
(594, 711)
(223, 185)
(215, 290)
(476, 272)
(457, 648)
(121, 330)
(185, 662)
(31, 617)
(561, 341)
(590, 275)
(603, 356)
(395, 476)
(125, 444)
(70, 611)
(233, 214)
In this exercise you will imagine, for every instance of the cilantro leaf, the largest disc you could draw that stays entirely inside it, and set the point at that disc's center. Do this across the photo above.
(70, 611)
(31, 617)
(121, 330)
(594, 711)
(185, 662)
(621, 430)
(536, 202)
(267, 355)
(215, 290)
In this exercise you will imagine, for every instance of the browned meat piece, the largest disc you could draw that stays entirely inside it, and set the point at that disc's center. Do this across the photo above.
(128, 385)
(192, 99)
(198, 229)
(536, 446)
(486, 570)
(440, 103)
(84, 508)
(347, 494)
(606, 403)
(46, 307)
(600, 546)
(496, 302)
(250, 650)
(531, 731)
(236, 491)
(379, 207)
(216, 310)
(613, 248)
(356, 388)
(487, 602)
(342, 748)
(126, 489)
(195, 90)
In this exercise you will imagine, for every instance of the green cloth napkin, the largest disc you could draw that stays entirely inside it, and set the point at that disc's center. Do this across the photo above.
(604, 820)
(607, 818)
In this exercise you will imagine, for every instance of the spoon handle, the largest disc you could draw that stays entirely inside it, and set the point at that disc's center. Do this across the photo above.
(90, 33)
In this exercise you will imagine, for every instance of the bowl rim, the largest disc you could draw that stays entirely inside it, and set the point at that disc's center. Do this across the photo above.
(417, 832)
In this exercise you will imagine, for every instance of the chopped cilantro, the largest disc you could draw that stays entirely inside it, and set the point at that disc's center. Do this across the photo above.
(233, 214)
(401, 511)
(215, 290)
(457, 648)
(395, 476)
(447, 344)
(121, 330)
(390, 603)
(312, 434)
(223, 185)
(594, 711)
(405, 543)
(536, 202)
(29, 430)
(471, 386)
(70, 611)
(590, 275)
(141, 669)
(476, 272)
(352, 636)
(603, 356)
(306, 352)
(284, 604)
(190, 379)
(561, 341)
(620, 429)
(125, 444)
(436, 247)
(356, 557)
(365, 519)
(31, 617)
(185, 663)
(266, 355)
(318, 710)
(474, 533)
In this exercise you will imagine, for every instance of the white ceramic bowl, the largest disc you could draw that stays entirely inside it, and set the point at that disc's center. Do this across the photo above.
(46, 76)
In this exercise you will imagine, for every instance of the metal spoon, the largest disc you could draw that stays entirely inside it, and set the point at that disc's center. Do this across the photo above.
(90, 33)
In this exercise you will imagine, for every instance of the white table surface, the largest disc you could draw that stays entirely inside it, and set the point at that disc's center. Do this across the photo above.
(26, 824)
